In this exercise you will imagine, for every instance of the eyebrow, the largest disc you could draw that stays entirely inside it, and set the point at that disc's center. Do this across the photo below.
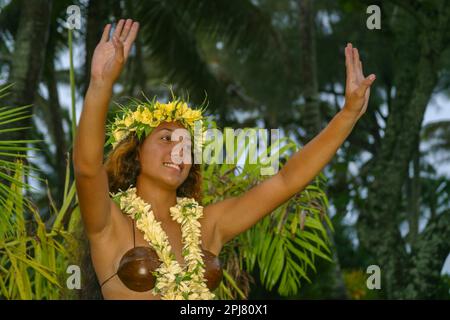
(165, 129)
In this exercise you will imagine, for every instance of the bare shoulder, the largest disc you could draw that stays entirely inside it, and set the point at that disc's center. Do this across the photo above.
(210, 236)
(114, 233)
(107, 246)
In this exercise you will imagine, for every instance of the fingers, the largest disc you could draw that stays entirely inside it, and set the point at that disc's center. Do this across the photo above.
(355, 58)
(133, 33)
(357, 65)
(118, 45)
(105, 35)
(349, 61)
(119, 28)
(353, 64)
(131, 36)
(126, 29)
(365, 84)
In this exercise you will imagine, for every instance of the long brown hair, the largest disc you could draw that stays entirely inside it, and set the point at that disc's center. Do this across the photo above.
(123, 168)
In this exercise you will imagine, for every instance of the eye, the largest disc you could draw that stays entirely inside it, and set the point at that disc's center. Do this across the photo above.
(166, 138)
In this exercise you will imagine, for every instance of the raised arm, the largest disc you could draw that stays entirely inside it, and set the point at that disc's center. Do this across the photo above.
(235, 215)
(108, 60)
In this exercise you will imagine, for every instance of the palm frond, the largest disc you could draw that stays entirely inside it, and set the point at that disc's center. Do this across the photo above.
(34, 253)
(174, 31)
(172, 44)
(437, 136)
(283, 246)
(234, 22)
(10, 150)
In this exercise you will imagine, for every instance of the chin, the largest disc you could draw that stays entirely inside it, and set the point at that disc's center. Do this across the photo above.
(173, 182)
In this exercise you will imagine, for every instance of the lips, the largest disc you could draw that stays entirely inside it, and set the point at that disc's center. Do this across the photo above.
(178, 167)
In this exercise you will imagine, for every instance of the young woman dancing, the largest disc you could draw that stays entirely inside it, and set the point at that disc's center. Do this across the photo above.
(149, 236)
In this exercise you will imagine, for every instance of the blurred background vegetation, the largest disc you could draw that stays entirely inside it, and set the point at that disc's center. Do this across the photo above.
(262, 63)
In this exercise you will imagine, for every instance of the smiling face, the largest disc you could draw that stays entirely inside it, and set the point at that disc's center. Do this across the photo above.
(155, 156)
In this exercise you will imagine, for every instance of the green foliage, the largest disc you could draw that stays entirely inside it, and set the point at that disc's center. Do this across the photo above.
(10, 150)
(175, 30)
(247, 55)
(444, 288)
(355, 282)
(283, 246)
(34, 253)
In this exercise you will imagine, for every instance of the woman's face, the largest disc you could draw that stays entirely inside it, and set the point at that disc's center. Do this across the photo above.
(157, 160)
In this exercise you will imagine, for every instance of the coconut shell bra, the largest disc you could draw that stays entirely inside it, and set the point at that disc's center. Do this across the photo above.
(137, 265)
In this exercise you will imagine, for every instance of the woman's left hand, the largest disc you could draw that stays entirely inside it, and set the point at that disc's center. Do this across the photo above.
(357, 88)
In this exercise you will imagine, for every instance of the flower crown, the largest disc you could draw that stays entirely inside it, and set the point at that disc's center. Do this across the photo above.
(143, 116)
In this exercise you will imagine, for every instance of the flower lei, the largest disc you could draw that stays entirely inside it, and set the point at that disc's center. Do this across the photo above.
(172, 281)
(149, 114)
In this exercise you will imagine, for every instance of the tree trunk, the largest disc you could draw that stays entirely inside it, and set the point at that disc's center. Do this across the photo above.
(96, 18)
(29, 57)
(428, 256)
(414, 197)
(311, 113)
(378, 223)
(56, 126)
(390, 171)
(311, 119)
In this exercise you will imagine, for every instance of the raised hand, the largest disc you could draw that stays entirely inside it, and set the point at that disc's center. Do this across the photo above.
(110, 55)
(357, 88)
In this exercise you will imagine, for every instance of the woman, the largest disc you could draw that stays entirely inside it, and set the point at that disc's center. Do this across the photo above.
(152, 192)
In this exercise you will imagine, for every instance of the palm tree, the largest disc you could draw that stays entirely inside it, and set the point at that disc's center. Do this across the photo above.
(33, 253)
(170, 50)
(173, 34)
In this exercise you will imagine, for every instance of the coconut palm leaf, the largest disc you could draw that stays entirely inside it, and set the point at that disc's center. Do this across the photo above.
(174, 30)
(12, 149)
(284, 244)
(34, 253)
(437, 135)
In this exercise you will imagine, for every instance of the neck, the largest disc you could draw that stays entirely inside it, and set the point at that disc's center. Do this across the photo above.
(161, 199)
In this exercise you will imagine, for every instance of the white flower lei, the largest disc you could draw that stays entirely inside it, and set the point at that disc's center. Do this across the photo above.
(172, 281)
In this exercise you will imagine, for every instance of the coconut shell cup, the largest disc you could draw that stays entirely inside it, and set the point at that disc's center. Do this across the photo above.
(137, 265)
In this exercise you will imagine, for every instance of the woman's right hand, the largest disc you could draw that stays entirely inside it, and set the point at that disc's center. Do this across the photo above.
(110, 55)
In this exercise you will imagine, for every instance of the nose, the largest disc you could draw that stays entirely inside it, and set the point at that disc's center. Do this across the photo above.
(178, 152)
(178, 144)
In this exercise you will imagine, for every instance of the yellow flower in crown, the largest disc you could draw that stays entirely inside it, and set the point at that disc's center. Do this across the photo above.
(137, 115)
(166, 108)
(119, 135)
(128, 121)
(146, 116)
(143, 116)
